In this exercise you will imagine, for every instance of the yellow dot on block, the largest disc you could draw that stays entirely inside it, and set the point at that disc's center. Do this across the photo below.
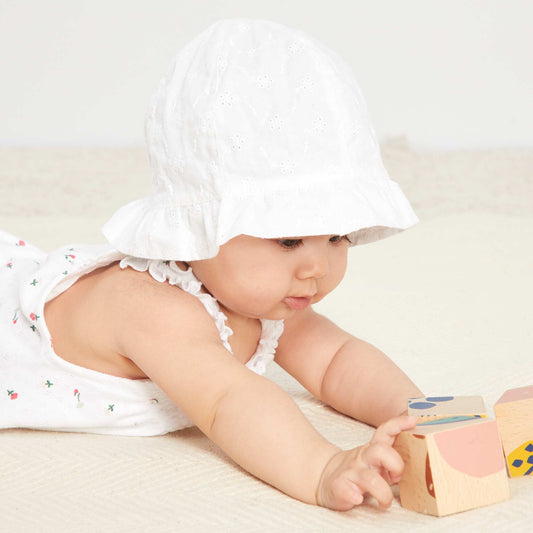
(520, 460)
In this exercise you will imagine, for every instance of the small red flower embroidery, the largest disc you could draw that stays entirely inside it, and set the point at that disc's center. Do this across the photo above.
(12, 394)
(33, 316)
(21, 243)
(15, 317)
(77, 394)
(9, 265)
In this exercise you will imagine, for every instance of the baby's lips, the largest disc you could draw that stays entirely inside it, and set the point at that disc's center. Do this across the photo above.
(297, 302)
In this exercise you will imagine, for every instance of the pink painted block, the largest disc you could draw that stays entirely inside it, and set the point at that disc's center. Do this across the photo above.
(516, 395)
(452, 466)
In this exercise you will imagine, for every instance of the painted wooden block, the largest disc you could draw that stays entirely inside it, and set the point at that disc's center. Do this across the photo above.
(435, 407)
(452, 466)
(514, 413)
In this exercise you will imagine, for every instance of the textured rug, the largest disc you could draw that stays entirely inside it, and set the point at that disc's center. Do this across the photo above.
(449, 301)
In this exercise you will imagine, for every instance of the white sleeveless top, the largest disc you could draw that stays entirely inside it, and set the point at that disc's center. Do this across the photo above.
(40, 390)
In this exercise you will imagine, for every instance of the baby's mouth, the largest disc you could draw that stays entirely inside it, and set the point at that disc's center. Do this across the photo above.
(298, 302)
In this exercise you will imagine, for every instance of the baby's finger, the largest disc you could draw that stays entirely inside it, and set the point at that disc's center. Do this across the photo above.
(384, 459)
(387, 432)
(370, 482)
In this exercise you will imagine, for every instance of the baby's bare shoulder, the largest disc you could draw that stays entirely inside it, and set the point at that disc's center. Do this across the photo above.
(143, 306)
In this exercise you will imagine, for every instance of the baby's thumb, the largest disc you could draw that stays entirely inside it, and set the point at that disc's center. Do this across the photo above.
(387, 432)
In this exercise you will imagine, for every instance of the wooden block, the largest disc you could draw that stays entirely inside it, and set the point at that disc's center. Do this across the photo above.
(437, 407)
(452, 466)
(514, 413)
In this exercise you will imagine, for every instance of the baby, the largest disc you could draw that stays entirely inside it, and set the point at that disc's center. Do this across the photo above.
(265, 171)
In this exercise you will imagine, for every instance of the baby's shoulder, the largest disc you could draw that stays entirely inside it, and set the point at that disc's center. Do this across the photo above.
(140, 289)
(141, 302)
(155, 321)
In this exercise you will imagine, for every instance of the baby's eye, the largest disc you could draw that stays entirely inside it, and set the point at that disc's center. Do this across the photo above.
(339, 238)
(290, 243)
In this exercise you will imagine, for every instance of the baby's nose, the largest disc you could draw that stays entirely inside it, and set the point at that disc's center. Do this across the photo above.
(315, 265)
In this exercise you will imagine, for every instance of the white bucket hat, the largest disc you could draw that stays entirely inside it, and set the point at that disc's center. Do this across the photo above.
(257, 129)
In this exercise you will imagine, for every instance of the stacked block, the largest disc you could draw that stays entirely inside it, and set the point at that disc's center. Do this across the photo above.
(514, 413)
(438, 407)
(452, 463)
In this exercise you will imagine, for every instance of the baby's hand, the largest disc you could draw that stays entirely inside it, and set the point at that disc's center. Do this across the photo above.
(368, 469)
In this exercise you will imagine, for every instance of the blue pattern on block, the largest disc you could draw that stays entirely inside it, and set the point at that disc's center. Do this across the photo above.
(421, 405)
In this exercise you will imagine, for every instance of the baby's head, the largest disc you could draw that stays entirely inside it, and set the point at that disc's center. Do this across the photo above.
(257, 130)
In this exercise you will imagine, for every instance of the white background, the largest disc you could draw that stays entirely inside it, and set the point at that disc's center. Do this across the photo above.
(447, 73)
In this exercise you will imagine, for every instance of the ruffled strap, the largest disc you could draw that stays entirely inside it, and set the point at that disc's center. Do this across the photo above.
(270, 333)
(169, 271)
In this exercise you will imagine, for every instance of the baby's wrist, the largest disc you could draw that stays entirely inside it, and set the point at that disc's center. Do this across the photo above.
(328, 467)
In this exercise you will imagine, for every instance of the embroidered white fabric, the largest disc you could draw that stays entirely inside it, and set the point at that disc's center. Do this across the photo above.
(168, 271)
(44, 391)
(257, 129)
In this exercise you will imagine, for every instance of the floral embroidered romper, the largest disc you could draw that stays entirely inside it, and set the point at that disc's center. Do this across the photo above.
(40, 390)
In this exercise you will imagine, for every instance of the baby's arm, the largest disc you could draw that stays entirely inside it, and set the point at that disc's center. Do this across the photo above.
(169, 335)
(347, 373)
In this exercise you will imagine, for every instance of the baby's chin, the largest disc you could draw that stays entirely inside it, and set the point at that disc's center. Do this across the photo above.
(281, 312)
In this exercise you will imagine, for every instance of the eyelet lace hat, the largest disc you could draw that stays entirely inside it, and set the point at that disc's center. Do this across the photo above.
(257, 129)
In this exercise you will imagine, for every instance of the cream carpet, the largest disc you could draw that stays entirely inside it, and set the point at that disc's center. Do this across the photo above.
(449, 300)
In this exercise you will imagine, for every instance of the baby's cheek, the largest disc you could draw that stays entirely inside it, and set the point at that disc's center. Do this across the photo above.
(327, 285)
(249, 298)
(335, 276)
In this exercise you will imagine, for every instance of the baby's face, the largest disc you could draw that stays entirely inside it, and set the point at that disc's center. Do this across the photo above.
(273, 278)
